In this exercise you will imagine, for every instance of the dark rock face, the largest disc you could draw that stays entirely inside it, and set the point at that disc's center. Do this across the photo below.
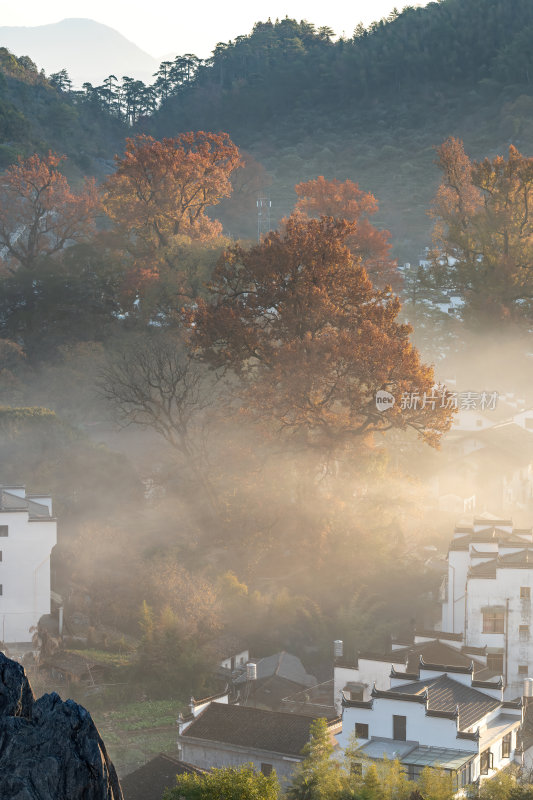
(16, 696)
(49, 749)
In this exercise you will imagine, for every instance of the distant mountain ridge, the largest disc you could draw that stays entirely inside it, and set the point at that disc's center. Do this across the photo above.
(88, 50)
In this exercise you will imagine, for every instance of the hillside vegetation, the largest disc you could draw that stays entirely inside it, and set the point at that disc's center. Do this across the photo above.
(37, 116)
(370, 108)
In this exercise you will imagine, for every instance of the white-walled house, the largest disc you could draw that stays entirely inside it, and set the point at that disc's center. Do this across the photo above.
(354, 679)
(487, 596)
(28, 532)
(440, 717)
(220, 734)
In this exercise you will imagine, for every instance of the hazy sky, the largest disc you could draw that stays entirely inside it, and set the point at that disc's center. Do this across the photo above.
(162, 27)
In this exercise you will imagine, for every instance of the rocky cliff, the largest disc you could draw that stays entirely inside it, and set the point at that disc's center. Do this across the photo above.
(50, 749)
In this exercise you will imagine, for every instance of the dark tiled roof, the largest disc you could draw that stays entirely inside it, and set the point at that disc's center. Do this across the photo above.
(487, 569)
(11, 502)
(520, 560)
(433, 652)
(284, 665)
(462, 669)
(491, 534)
(150, 781)
(273, 731)
(356, 703)
(438, 652)
(452, 637)
(269, 692)
(445, 694)
(524, 558)
(461, 543)
(494, 522)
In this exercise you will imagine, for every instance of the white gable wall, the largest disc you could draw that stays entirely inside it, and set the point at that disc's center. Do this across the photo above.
(504, 591)
(24, 574)
(428, 730)
(368, 672)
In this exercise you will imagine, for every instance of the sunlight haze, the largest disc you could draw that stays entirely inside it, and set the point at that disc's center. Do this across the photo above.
(171, 28)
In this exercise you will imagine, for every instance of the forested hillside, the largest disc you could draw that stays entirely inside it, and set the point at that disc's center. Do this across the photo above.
(36, 115)
(370, 108)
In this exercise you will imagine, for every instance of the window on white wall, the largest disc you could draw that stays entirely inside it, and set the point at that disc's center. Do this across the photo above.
(525, 593)
(399, 727)
(493, 620)
(523, 632)
(495, 662)
(506, 745)
(3, 530)
(361, 730)
(485, 762)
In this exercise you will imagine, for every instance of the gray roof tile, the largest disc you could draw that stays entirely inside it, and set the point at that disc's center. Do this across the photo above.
(445, 694)
(273, 731)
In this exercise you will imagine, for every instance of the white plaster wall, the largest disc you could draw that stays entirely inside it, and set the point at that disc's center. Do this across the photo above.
(430, 731)
(240, 660)
(487, 592)
(207, 755)
(24, 574)
(367, 673)
(459, 677)
(453, 612)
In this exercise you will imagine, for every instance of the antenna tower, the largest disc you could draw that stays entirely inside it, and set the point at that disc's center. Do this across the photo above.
(264, 204)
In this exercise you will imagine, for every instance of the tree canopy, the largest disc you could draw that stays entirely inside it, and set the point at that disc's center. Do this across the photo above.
(484, 232)
(297, 318)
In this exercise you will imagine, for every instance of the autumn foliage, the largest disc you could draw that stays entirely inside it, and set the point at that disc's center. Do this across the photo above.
(39, 213)
(158, 197)
(297, 318)
(345, 200)
(484, 232)
(162, 189)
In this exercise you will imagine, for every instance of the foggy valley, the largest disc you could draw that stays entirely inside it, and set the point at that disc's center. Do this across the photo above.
(266, 411)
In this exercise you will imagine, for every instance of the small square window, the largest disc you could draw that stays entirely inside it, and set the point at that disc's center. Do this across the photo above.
(361, 730)
(3, 530)
(523, 669)
(266, 769)
(525, 593)
(523, 632)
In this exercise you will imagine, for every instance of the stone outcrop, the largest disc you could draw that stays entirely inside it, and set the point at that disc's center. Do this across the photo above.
(50, 749)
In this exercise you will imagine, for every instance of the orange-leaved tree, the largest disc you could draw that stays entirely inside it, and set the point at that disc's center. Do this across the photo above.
(159, 194)
(345, 200)
(312, 340)
(39, 213)
(484, 232)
